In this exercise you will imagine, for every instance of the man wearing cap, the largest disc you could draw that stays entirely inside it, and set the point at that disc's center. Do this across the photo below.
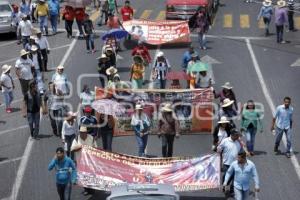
(160, 69)
(89, 121)
(281, 19)
(7, 87)
(24, 70)
(61, 82)
(168, 128)
(42, 13)
(25, 30)
(83, 139)
(44, 48)
(266, 12)
(110, 53)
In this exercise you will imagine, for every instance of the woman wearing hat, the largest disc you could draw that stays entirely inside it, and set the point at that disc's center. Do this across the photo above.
(110, 53)
(160, 69)
(221, 131)
(227, 92)
(168, 128)
(137, 72)
(250, 123)
(69, 132)
(7, 87)
(141, 124)
(110, 72)
(227, 110)
(266, 12)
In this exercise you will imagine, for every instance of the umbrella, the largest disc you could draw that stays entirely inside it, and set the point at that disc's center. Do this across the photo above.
(177, 75)
(78, 3)
(116, 33)
(199, 67)
(108, 107)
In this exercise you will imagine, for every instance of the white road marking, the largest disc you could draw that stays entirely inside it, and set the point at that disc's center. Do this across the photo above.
(269, 101)
(13, 129)
(23, 165)
(9, 161)
(8, 43)
(296, 63)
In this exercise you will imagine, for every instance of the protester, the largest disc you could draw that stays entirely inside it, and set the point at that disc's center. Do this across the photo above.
(113, 21)
(83, 139)
(55, 105)
(168, 128)
(42, 13)
(111, 54)
(79, 16)
(110, 72)
(7, 87)
(37, 62)
(227, 110)
(290, 14)
(103, 13)
(187, 57)
(44, 48)
(250, 123)
(24, 71)
(32, 11)
(107, 124)
(141, 124)
(227, 92)
(142, 50)
(88, 32)
(229, 148)
(194, 59)
(112, 6)
(16, 16)
(89, 121)
(69, 132)
(69, 16)
(61, 82)
(202, 79)
(33, 103)
(127, 13)
(266, 12)
(103, 65)
(25, 30)
(31, 42)
(221, 131)
(243, 170)
(25, 8)
(281, 19)
(86, 96)
(65, 173)
(137, 72)
(282, 123)
(160, 69)
(54, 14)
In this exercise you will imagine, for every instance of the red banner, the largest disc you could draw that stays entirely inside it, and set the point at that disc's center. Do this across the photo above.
(158, 32)
(101, 170)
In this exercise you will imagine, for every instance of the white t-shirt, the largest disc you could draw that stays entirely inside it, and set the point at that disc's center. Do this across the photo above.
(222, 134)
(7, 81)
(60, 81)
(68, 129)
(43, 43)
(35, 61)
(25, 68)
(25, 27)
(204, 81)
(86, 98)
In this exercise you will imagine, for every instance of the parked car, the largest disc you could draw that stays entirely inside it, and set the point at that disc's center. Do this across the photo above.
(184, 9)
(6, 18)
(143, 192)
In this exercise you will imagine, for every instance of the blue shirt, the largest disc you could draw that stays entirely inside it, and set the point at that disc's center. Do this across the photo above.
(53, 7)
(266, 12)
(242, 175)
(229, 149)
(283, 117)
(65, 170)
(25, 8)
(187, 56)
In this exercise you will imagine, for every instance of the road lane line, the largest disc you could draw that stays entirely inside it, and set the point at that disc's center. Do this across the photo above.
(146, 14)
(244, 21)
(13, 129)
(10, 160)
(161, 15)
(227, 21)
(270, 101)
(30, 142)
(8, 43)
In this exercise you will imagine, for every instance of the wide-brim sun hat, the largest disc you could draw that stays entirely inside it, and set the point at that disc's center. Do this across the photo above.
(267, 3)
(32, 37)
(281, 3)
(227, 85)
(223, 120)
(34, 48)
(103, 56)
(23, 52)
(83, 129)
(227, 102)
(111, 70)
(138, 107)
(60, 67)
(160, 54)
(6, 68)
(167, 108)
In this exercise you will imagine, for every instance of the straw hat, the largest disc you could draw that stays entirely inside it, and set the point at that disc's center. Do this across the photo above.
(138, 107)
(5, 68)
(83, 129)
(223, 120)
(108, 48)
(227, 86)
(103, 56)
(167, 108)
(160, 54)
(281, 3)
(23, 52)
(111, 70)
(60, 67)
(33, 48)
(38, 31)
(267, 3)
(138, 59)
(33, 37)
(227, 102)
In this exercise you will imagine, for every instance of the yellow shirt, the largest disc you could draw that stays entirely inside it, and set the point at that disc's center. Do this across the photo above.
(137, 71)
(42, 10)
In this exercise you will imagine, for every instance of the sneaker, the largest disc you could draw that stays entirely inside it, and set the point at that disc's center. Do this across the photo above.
(276, 149)
(282, 42)
(204, 48)
(288, 154)
(93, 51)
(8, 110)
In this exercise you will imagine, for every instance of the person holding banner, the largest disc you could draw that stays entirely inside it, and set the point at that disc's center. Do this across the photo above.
(141, 124)
(106, 130)
(168, 128)
(137, 72)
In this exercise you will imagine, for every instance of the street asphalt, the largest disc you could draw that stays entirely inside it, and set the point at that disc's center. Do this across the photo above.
(258, 68)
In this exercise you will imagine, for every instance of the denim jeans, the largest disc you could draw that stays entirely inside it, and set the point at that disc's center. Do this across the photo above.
(43, 20)
(68, 27)
(167, 145)
(107, 137)
(250, 137)
(25, 40)
(230, 182)
(160, 83)
(240, 194)
(267, 24)
(288, 133)
(90, 42)
(202, 40)
(142, 143)
(56, 119)
(279, 32)
(79, 24)
(34, 123)
(64, 191)
(53, 21)
(8, 98)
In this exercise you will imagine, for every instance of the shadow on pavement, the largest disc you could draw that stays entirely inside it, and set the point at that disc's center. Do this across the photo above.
(3, 159)
(7, 37)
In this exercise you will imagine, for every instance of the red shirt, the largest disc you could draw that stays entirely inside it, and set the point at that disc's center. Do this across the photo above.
(69, 13)
(79, 14)
(127, 13)
(142, 51)
(113, 23)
